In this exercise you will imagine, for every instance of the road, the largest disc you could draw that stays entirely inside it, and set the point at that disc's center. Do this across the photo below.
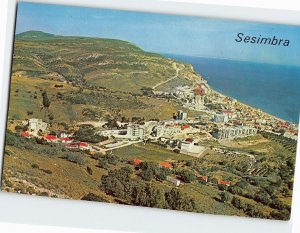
(168, 80)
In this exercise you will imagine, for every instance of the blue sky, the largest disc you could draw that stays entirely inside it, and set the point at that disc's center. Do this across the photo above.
(164, 33)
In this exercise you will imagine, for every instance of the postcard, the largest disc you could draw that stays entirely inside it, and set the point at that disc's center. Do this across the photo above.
(154, 110)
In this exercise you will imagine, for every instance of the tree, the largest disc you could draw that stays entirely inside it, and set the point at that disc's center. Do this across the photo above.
(236, 202)
(46, 101)
(187, 176)
(89, 170)
(282, 215)
(147, 174)
(177, 200)
(277, 204)
(263, 198)
(189, 163)
(76, 158)
(224, 197)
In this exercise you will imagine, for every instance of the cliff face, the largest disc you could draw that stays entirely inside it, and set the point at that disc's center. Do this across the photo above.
(94, 62)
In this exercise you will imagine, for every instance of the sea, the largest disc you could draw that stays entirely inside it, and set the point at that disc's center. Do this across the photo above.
(275, 89)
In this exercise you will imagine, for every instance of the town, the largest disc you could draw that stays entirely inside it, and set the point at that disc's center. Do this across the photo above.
(220, 119)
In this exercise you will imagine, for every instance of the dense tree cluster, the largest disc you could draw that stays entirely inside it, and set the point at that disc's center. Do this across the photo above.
(121, 184)
(76, 158)
(152, 171)
(88, 134)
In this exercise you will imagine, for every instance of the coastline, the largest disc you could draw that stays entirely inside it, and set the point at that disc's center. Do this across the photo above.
(204, 66)
(253, 108)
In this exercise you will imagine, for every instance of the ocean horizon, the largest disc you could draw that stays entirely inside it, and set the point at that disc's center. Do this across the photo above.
(272, 88)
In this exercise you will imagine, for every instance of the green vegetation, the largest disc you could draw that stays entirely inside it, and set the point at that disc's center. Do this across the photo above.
(71, 80)
(119, 183)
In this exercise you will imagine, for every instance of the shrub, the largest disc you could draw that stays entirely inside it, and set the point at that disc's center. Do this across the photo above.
(89, 170)
(13, 140)
(225, 197)
(187, 176)
(49, 172)
(236, 202)
(35, 166)
(76, 158)
(263, 198)
(92, 197)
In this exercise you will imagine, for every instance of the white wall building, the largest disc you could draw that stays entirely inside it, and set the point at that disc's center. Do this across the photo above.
(36, 125)
(231, 132)
(173, 180)
(167, 131)
(220, 117)
(135, 131)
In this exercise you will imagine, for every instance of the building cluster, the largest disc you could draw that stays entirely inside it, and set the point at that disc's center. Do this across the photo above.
(232, 132)
(39, 129)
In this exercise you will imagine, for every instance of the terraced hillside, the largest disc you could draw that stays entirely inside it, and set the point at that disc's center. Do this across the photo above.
(88, 78)
(94, 62)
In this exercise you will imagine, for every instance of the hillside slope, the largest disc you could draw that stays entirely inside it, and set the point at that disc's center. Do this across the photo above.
(96, 62)
(89, 78)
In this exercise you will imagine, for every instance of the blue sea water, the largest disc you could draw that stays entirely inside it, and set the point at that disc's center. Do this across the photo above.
(274, 89)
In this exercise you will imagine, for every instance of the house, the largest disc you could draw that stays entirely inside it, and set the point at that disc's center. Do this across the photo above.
(173, 180)
(187, 144)
(78, 145)
(202, 178)
(50, 138)
(189, 147)
(183, 127)
(223, 182)
(83, 145)
(166, 165)
(66, 140)
(137, 162)
(25, 134)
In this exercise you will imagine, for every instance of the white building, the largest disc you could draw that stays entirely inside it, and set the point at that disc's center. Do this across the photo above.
(231, 132)
(188, 147)
(291, 135)
(135, 131)
(220, 117)
(111, 132)
(182, 116)
(199, 91)
(173, 180)
(37, 125)
(168, 131)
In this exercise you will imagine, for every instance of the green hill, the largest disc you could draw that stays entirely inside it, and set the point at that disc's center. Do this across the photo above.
(115, 64)
(89, 78)
(34, 35)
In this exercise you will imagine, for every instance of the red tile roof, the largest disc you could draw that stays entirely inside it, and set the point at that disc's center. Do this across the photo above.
(166, 165)
(205, 178)
(25, 134)
(137, 162)
(185, 126)
(83, 144)
(223, 182)
(189, 140)
(50, 137)
(66, 139)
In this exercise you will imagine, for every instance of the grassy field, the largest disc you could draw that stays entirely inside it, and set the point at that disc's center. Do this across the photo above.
(67, 180)
(149, 153)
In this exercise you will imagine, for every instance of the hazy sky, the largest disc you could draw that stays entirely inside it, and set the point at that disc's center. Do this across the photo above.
(164, 33)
